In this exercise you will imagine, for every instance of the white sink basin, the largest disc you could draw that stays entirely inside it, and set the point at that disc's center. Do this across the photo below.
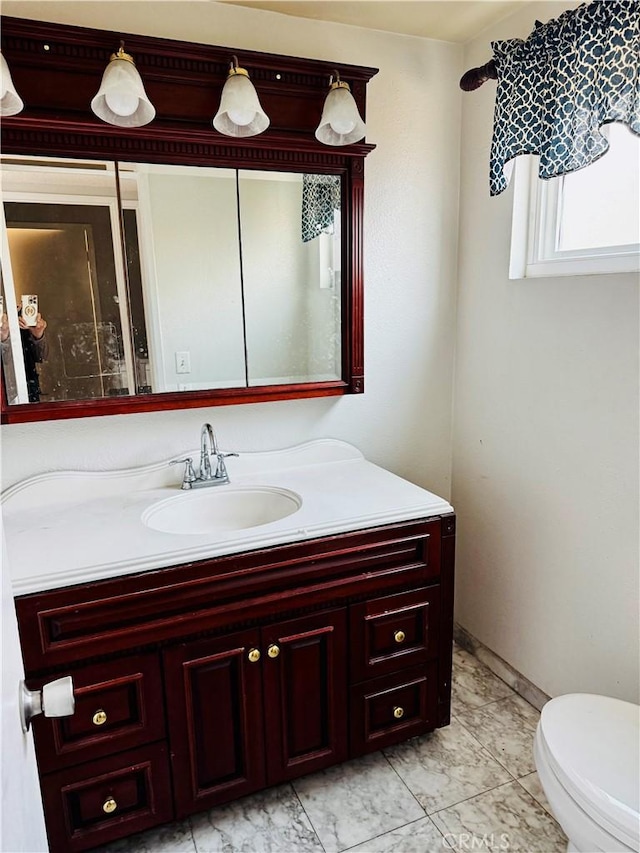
(220, 508)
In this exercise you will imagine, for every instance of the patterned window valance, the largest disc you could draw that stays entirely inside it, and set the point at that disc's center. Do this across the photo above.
(320, 197)
(557, 88)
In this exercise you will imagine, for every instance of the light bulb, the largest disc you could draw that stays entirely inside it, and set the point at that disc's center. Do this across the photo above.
(240, 113)
(243, 100)
(342, 124)
(344, 113)
(121, 99)
(10, 103)
(121, 103)
(241, 117)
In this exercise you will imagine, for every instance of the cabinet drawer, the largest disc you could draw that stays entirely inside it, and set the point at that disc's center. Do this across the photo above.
(57, 627)
(394, 632)
(107, 799)
(118, 706)
(391, 709)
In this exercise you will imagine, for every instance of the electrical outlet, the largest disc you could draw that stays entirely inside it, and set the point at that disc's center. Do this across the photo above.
(183, 362)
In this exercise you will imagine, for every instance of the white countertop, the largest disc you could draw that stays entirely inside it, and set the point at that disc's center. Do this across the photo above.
(71, 527)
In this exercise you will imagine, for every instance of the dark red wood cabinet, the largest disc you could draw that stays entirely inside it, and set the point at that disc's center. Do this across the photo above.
(215, 712)
(199, 684)
(256, 708)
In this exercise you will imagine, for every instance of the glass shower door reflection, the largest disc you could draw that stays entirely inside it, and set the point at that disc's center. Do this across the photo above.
(64, 254)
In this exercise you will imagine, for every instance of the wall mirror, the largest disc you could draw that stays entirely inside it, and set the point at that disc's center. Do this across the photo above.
(174, 267)
(163, 278)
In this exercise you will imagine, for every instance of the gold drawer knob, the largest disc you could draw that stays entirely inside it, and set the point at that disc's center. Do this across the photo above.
(254, 655)
(399, 636)
(398, 712)
(109, 805)
(99, 718)
(273, 651)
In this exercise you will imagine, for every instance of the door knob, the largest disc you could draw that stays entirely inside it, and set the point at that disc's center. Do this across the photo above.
(55, 699)
(273, 651)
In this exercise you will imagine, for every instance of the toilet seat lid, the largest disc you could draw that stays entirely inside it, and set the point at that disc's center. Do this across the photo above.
(593, 744)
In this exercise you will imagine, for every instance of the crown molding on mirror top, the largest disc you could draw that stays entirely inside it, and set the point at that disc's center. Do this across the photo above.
(57, 70)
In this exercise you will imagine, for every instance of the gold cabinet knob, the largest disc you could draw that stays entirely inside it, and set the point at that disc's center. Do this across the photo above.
(109, 805)
(273, 651)
(254, 655)
(399, 636)
(398, 712)
(99, 718)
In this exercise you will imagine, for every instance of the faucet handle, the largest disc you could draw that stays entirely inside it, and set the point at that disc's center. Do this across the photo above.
(221, 468)
(189, 473)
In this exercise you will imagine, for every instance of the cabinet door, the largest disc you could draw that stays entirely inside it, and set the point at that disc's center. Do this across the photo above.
(214, 705)
(305, 690)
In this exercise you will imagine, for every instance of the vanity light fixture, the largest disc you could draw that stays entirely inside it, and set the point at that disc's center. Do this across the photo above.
(10, 101)
(341, 123)
(240, 113)
(121, 99)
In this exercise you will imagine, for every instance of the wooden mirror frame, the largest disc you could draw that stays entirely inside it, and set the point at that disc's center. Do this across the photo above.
(57, 70)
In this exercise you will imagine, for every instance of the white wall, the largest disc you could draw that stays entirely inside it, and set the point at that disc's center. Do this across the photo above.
(403, 420)
(545, 441)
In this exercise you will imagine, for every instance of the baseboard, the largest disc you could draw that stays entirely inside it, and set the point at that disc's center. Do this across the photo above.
(501, 668)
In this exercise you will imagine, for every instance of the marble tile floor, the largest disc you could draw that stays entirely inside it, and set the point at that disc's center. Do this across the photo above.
(469, 787)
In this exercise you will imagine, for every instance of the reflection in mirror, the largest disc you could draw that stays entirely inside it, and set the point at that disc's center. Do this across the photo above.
(163, 278)
(291, 261)
(8, 337)
(64, 253)
(188, 244)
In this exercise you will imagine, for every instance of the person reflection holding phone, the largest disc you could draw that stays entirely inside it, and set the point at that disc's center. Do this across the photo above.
(35, 349)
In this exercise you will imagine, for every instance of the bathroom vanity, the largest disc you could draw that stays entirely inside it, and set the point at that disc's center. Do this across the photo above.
(210, 664)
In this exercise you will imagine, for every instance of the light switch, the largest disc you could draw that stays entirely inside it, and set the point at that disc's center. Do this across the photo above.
(183, 362)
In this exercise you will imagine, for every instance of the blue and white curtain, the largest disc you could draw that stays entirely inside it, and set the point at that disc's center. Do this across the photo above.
(320, 197)
(559, 87)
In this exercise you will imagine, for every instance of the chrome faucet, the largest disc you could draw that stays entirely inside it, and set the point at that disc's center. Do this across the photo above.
(207, 475)
(208, 446)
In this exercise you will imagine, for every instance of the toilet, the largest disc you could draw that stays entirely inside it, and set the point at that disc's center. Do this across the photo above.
(587, 753)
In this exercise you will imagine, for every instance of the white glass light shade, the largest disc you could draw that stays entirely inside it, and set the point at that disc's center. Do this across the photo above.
(240, 113)
(340, 123)
(10, 101)
(121, 99)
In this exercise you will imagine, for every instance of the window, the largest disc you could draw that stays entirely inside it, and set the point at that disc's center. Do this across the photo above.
(583, 223)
